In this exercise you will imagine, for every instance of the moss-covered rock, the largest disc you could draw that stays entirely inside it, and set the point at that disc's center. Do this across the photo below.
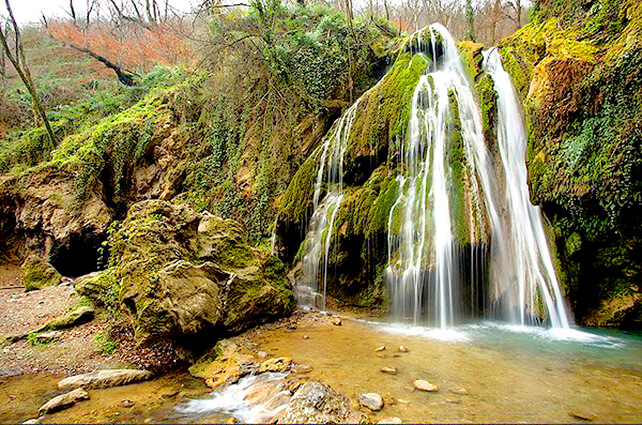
(38, 273)
(578, 71)
(176, 274)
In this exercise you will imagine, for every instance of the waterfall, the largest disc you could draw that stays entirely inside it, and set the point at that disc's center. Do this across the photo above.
(530, 259)
(444, 163)
(464, 240)
(311, 290)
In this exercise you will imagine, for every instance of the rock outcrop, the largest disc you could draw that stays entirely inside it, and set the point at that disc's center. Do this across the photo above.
(579, 71)
(177, 273)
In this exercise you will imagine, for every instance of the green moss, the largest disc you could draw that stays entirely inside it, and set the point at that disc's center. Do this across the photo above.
(383, 114)
(471, 55)
(297, 200)
(488, 103)
(38, 273)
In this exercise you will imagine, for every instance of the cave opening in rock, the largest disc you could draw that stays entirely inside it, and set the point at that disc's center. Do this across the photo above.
(80, 256)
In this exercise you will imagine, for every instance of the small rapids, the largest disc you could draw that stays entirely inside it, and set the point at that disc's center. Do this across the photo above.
(253, 399)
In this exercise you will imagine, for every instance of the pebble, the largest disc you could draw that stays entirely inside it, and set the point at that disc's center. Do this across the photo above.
(372, 401)
(391, 420)
(389, 370)
(336, 321)
(127, 403)
(306, 337)
(402, 349)
(452, 401)
(383, 347)
(422, 385)
(262, 354)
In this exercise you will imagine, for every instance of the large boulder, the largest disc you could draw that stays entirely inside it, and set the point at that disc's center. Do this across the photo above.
(176, 273)
(317, 403)
(38, 273)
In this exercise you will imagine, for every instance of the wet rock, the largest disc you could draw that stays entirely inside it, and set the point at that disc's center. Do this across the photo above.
(372, 401)
(170, 394)
(38, 273)
(316, 402)
(63, 401)
(336, 321)
(391, 420)
(422, 385)
(48, 336)
(402, 349)
(583, 416)
(383, 347)
(105, 378)
(226, 374)
(302, 369)
(459, 391)
(389, 370)
(279, 364)
(389, 400)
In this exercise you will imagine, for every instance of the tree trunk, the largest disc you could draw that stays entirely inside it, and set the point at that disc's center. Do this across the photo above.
(19, 62)
(496, 9)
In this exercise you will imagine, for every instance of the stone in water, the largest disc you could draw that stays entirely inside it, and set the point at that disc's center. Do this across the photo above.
(372, 401)
(422, 385)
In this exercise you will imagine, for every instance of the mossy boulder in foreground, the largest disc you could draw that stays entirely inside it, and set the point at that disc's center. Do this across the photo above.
(176, 274)
(39, 273)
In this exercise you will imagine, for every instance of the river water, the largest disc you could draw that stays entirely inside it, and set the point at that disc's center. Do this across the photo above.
(510, 374)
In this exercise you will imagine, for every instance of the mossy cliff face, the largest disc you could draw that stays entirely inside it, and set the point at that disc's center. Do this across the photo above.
(372, 153)
(175, 274)
(580, 83)
(40, 214)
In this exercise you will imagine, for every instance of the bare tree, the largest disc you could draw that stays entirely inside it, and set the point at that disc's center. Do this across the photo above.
(516, 5)
(15, 53)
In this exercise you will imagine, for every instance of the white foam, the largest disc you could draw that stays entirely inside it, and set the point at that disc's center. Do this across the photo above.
(439, 334)
(231, 400)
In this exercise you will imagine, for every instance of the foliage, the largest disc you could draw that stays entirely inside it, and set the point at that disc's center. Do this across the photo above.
(105, 343)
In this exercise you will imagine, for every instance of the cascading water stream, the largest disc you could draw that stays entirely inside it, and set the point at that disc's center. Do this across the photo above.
(462, 219)
(423, 274)
(531, 261)
(311, 290)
